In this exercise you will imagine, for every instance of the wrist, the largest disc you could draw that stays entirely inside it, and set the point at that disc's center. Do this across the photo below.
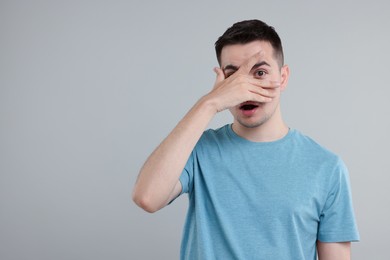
(209, 105)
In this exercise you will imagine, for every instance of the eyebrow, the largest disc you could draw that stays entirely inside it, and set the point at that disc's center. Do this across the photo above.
(235, 68)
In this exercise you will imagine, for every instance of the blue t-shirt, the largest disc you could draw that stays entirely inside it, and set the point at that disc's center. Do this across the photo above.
(270, 200)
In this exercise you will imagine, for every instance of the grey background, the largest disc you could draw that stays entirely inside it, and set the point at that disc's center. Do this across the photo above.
(89, 88)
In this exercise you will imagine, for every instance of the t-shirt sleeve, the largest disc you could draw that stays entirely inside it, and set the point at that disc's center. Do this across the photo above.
(337, 220)
(186, 177)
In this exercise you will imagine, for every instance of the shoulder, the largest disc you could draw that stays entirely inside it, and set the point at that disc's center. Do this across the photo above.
(213, 140)
(324, 163)
(311, 146)
(317, 154)
(215, 135)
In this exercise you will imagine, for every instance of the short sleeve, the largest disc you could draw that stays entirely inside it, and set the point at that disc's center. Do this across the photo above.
(186, 177)
(337, 220)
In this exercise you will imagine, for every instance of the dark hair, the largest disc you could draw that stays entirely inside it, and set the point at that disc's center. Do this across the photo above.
(248, 31)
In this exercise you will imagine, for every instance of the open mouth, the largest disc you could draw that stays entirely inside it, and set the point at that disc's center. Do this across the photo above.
(248, 106)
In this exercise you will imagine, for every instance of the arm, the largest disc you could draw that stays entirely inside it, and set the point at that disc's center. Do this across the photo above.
(158, 181)
(334, 251)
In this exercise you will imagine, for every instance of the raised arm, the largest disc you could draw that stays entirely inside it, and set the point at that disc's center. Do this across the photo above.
(158, 180)
(159, 176)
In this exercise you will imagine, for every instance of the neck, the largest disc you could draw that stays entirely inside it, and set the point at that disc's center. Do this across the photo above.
(271, 130)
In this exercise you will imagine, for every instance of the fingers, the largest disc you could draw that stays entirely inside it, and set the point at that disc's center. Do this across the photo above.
(272, 84)
(248, 65)
(266, 84)
(242, 86)
(263, 90)
(256, 97)
(265, 93)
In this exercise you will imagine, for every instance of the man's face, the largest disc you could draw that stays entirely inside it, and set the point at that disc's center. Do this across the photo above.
(267, 70)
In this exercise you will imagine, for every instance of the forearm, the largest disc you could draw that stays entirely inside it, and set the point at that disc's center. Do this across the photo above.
(162, 169)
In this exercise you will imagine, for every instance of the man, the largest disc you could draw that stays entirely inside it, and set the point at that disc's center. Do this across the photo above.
(257, 188)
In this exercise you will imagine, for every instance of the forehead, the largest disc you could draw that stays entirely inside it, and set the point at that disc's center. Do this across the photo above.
(237, 54)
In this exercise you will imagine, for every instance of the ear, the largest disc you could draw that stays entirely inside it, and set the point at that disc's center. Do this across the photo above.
(284, 75)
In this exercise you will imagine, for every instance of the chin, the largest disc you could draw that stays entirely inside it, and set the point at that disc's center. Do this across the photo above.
(252, 124)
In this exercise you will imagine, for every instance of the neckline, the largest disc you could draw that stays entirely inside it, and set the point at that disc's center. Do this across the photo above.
(244, 141)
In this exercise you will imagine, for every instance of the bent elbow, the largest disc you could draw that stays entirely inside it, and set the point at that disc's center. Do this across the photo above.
(145, 203)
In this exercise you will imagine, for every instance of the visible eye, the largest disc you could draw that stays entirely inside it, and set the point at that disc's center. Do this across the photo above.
(260, 73)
